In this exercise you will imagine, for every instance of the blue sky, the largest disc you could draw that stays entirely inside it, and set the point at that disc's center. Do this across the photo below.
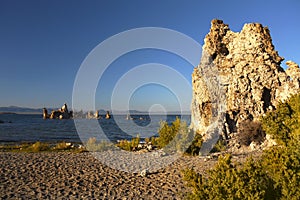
(43, 43)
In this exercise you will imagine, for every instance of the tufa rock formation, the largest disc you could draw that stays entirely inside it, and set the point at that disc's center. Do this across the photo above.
(107, 115)
(45, 113)
(239, 78)
(62, 113)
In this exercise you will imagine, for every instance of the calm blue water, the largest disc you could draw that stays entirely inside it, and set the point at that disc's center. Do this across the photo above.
(31, 128)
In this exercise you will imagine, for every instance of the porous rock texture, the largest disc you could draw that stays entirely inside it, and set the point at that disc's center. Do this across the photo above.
(239, 78)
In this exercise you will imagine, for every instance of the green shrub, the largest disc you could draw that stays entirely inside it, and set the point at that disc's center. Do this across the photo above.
(129, 145)
(37, 147)
(229, 181)
(282, 162)
(41, 146)
(93, 145)
(195, 147)
(148, 140)
(219, 146)
(167, 132)
(62, 146)
(283, 122)
(152, 140)
(13, 147)
(283, 166)
(182, 139)
(250, 131)
(177, 137)
(135, 141)
(276, 175)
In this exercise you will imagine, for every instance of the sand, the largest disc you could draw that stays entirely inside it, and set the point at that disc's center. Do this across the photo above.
(65, 175)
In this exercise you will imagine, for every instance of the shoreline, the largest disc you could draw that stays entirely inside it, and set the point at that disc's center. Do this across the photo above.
(4, 144)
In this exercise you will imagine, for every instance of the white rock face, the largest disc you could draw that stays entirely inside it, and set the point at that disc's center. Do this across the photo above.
(245, 80)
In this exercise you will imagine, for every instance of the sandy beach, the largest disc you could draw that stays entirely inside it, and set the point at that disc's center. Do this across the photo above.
(64, 175)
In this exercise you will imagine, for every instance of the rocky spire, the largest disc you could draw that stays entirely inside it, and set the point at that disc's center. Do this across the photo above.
(239, 78)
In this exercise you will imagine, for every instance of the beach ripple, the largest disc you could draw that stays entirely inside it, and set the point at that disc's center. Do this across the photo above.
(63, 175)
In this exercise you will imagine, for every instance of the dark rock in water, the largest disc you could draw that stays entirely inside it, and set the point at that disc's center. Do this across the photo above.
(1, 122)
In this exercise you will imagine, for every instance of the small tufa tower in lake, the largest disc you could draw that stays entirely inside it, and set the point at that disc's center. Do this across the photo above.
(62, 113)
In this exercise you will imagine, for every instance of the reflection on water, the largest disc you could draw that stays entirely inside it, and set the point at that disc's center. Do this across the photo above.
(33, 128)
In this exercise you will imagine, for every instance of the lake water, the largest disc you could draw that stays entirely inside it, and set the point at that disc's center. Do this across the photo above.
(31, 128)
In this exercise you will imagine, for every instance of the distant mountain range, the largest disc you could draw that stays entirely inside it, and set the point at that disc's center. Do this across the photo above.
(17, 109)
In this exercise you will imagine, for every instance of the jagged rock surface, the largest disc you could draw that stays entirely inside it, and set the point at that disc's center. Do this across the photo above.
(239, 78)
